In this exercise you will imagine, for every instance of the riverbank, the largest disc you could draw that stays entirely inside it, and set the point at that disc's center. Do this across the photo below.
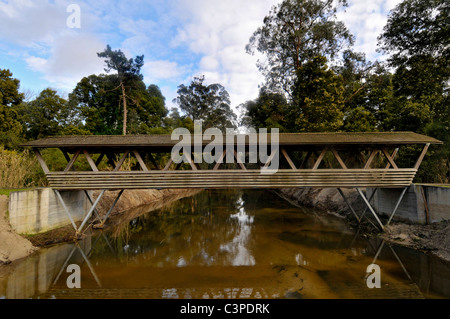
(432, 238)
(14, 246)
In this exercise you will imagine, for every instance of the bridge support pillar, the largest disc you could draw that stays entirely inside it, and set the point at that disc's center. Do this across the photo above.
(371, 209)
(90, 212)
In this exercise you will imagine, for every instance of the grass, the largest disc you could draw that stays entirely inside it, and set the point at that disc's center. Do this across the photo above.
(7, 191)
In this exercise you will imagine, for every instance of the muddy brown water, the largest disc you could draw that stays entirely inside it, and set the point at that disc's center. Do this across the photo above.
(227, 244)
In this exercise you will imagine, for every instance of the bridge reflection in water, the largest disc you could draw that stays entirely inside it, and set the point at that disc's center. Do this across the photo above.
(227, 244)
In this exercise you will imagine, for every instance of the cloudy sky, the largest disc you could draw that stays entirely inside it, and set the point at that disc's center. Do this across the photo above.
(180, 39)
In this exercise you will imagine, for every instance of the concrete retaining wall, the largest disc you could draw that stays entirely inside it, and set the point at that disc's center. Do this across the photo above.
(35, 275)
(423, 203)
(39, 210)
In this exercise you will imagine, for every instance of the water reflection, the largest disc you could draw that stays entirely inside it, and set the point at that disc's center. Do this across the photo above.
(230, 244)
(240, 255)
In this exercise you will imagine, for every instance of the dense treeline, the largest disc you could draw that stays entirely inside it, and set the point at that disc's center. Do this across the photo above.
(314, 82)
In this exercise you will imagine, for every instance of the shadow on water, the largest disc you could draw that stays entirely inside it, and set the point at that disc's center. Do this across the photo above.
(227, 244)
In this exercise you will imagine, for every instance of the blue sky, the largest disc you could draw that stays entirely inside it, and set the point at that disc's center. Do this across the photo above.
(180, 39)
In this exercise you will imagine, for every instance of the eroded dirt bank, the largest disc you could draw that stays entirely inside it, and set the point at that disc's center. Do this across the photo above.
(14, 246)
(433, 238)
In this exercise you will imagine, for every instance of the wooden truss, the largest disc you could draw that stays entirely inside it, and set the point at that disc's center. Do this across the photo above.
(321, 166)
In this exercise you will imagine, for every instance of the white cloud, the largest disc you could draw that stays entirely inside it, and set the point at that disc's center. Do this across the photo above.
(72, 58)
(30, 23)
(180, 39)
(162, 70)
(218, 31)
(366, 20)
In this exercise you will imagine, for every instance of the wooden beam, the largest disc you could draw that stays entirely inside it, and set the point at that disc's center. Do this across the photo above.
(99, 159)
(305, 160)
(370, 159)
(339, 159)
(90, 161)
(141, 162)
(119, 164)
(189, 159)
(74, 158)
(41, 161)
(152, 159)
(319, 159)
(237, 178)
(394, 153)
(67, 158)
(422, 155)
(166, 168)
(389, 158)
(288, 159)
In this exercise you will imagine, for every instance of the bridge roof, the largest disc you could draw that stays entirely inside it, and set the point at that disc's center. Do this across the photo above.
(285, 139)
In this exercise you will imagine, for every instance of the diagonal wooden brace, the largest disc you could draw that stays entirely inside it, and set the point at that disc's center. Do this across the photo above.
(370, 208)
(65, 208)
(112, 207)
(348, 204)
(89, 214)
(397, 204)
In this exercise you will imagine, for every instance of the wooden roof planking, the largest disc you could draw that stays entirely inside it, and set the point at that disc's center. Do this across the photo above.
(340, 140)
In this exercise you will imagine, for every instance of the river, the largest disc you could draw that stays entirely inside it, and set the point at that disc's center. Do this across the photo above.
(227, 244)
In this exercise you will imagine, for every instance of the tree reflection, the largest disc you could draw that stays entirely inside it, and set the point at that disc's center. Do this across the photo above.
(211, 227)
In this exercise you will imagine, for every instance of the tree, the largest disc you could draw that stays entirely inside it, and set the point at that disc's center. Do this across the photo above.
(318, 100)
(128, 72)
(44, 116)
(209, 103)
(416, 36)
(149, 109)
(97, 98)
(417, 28)
(10, 100)
(269, 110)
(294, 32)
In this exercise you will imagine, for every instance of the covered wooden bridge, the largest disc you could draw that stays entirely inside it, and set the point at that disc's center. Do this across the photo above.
(336, 160)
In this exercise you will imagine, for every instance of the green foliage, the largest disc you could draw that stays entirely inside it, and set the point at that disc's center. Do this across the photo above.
(416, 36)
(318, 98)
(294, 32)
(16, 168)
(98, 99)
(208, 103)
(43, 116)
(128, 75)
(10, 99)
(269, 110)
(417, 28)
